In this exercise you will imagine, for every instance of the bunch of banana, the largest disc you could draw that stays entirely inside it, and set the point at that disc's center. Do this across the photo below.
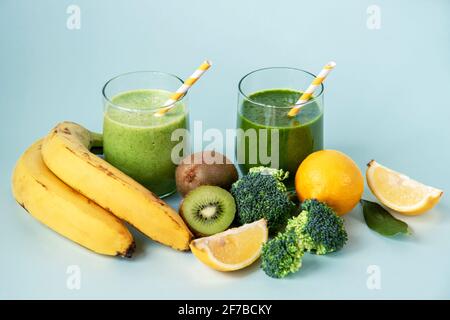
(66, 211)
(81, 196)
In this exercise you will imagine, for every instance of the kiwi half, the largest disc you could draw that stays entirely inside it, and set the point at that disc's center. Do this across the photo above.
(208, 210)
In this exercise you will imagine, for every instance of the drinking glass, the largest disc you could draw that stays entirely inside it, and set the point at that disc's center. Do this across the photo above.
(135, 140)
(266, 135)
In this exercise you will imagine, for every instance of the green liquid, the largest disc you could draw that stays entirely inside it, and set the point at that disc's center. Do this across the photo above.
(138, 143)
(298, 136)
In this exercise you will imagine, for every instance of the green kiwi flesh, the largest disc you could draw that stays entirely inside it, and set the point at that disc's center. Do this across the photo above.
(208, 210)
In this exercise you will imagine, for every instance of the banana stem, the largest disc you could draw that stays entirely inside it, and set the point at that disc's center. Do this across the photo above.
(96, 143)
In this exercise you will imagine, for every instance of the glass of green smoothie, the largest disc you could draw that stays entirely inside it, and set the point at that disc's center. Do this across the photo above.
(135, 140)
(266, 135)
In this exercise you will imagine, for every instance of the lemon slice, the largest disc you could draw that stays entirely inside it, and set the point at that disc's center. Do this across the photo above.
(399, 192)
(232, 249)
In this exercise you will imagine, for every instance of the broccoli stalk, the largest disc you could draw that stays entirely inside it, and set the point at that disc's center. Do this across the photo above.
(262, 194)
(316, 229)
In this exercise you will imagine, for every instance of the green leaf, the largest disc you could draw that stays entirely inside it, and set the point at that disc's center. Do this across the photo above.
(380, 220)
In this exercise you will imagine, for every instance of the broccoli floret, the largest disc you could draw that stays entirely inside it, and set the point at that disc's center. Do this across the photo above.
(318, 227)
(282, 255)
(262, 194)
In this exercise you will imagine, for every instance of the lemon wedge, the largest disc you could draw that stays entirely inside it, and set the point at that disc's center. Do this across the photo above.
(232, 249)
(399, 192)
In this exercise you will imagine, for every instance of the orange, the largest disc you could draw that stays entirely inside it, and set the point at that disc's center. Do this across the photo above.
(332, 177)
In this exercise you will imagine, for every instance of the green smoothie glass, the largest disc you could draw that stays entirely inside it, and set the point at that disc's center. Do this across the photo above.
(266, 135)
(135, 140)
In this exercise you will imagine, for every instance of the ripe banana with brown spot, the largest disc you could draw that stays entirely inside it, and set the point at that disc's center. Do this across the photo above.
(66, 152)
(64, 210)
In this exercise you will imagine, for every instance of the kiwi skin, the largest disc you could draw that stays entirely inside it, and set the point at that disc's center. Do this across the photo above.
(205, 168)
(201, 195)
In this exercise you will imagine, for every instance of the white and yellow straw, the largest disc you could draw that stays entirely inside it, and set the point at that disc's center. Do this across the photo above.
(308, 92)
(177, 95)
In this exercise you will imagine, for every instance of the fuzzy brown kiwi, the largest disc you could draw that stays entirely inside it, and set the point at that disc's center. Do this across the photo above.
(205, 168)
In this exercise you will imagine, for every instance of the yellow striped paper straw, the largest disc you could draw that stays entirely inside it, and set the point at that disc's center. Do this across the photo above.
(308, 93)
(177, 95)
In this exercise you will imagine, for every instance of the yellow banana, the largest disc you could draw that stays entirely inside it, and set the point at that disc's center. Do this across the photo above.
(66, 152)
(66, 211)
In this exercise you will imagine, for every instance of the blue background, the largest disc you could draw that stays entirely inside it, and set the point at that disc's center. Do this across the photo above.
(387, 99)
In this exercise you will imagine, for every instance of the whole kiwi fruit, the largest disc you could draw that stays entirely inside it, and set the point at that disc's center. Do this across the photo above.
(205, 168)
